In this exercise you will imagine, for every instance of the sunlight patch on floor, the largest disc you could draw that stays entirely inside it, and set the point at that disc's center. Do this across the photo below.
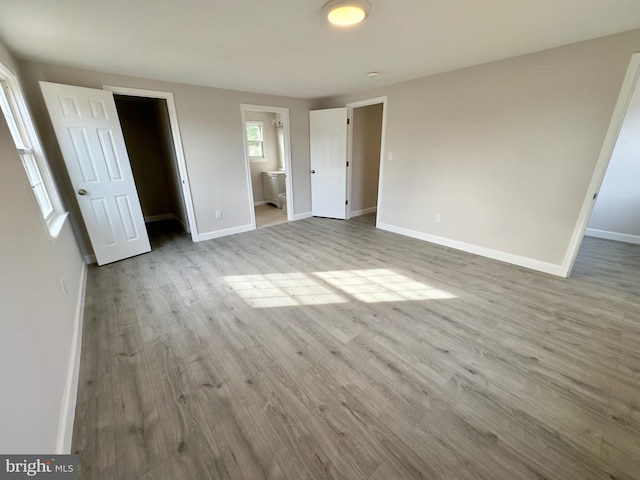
(282, 290)
(381, 285)
(294, 289)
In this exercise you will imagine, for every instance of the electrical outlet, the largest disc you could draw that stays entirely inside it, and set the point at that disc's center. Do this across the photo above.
(438, 217)
(218, 213)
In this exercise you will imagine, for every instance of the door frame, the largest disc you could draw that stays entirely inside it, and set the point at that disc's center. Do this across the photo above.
(245, 107)
(177, 145)
(383, 134)
(631, 79)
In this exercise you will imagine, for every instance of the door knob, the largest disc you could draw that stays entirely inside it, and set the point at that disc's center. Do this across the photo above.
(82, 191)
(313, 171)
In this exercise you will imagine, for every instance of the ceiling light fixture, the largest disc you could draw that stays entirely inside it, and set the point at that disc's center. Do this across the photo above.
(345, 13)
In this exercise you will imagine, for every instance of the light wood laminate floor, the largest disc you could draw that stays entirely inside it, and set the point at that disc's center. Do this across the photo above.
(323, 349)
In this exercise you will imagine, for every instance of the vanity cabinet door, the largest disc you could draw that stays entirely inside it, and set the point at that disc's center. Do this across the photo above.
(267, 185)
(273, 184)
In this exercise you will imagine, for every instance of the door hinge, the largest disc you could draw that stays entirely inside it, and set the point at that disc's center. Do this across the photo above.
(595, 195)
(348, 121)
(347, 164)
(346, 202)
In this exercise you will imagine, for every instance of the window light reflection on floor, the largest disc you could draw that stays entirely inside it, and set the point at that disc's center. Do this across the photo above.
(282, 290)
(381, 285)
(341, 286)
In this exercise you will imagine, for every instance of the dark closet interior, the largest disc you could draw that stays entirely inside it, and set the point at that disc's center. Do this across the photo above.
(147, 133)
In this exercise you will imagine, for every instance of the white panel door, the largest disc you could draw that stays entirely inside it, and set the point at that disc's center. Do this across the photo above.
(90, 138)
(328, 137)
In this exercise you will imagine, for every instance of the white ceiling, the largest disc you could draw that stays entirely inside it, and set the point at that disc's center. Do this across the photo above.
(286, 47)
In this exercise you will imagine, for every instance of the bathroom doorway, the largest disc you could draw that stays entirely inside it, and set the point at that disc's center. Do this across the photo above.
(268, 162)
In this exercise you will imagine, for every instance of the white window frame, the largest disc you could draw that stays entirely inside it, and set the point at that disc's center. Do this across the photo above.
(53, 220)
(260, 158)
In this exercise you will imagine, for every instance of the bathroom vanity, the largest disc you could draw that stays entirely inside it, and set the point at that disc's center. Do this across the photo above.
(274, 185)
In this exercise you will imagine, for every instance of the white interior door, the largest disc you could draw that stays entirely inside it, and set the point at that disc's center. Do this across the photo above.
(90, 138)
(328, 137)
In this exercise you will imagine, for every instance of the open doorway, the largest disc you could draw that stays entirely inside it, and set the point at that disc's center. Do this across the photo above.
(346, 149)
(267, 155)
(621, 139)
(147, 134)
(365, 149)
(159, 168)
(366, 142)
(616, 213)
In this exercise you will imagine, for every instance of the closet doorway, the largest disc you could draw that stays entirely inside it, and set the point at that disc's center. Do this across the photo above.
(149, 123)
(268, 164)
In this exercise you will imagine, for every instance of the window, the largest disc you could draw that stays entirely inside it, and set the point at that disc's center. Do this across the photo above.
(23, 134)
(255, 141)
(26, 152)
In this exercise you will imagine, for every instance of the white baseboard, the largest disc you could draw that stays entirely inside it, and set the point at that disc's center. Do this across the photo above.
(225, 232)
(364, 211)
(90, 259)
(618, 237)
(159, 218)
(526, 262)
(256, 204)
(184, 226)
(67, 415)
(302, 216)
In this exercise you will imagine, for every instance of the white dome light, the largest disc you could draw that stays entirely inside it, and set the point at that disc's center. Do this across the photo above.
(345, 13)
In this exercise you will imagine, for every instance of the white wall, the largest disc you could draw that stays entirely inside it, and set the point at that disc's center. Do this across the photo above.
(616, 214)
(270, 145)
(7, 59)
(37, 321)
(504, 151)
(211, 128)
